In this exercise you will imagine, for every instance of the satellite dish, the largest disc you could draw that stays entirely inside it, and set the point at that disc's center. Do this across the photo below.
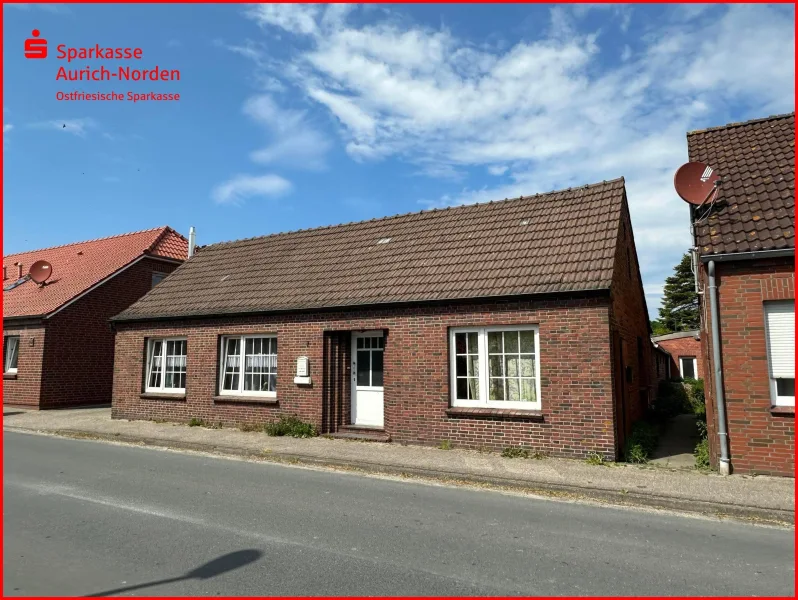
(40, 271)
(695, 182)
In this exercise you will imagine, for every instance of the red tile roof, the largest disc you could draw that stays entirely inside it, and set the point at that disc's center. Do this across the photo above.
(555, 242)
(755, 209)
(77, 267)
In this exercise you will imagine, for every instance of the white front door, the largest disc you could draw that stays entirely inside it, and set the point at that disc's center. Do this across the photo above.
(367, 399)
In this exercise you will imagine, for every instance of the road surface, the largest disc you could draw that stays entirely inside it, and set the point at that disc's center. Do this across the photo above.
(90, 518)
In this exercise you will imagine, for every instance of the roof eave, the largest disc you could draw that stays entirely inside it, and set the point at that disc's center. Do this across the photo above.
(755, 255)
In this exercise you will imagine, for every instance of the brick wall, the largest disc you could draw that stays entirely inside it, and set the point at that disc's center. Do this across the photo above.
(23, 388)
(760, 440)
(631, 354)
(576, 375)
(79, 355)
(687, 346)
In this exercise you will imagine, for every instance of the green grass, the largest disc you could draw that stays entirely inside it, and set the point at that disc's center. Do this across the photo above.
(511, 452)
(291, 426)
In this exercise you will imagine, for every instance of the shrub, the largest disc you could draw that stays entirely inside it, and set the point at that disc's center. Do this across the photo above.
(196, 422)
(445, 445)
(515, 453)
(641, 443)
(695, 396)
(701, 454)
(671, 400)
(291, 426)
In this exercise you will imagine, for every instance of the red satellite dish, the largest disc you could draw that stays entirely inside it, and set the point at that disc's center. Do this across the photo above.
(40, 271)
(695, 182)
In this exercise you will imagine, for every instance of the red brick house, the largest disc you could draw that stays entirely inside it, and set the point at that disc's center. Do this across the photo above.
(58, 348)
(519, 322)
(684, 351)
(745, 246)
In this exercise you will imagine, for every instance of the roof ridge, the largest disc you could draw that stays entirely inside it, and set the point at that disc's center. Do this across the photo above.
(743, 123)
(407, 214)
(108, 237)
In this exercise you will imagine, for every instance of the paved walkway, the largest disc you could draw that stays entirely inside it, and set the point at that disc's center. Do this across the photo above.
(761, 498)
(677, 443)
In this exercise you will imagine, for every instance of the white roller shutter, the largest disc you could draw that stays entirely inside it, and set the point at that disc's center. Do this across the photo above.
(780, 322)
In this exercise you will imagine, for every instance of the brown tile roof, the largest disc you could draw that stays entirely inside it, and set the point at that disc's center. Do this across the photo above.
(555, 242)
(756, 204)
(79, 266)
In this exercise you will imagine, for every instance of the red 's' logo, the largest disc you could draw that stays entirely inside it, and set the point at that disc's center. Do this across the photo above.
(35, 48)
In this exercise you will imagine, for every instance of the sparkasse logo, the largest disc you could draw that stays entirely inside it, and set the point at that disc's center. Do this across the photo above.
(34, 47)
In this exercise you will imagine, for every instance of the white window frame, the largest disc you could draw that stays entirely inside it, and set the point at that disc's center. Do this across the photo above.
(6, 368)
(161, 389)
(483, 369)
(776, 399)
(222, 353)
(695, 366)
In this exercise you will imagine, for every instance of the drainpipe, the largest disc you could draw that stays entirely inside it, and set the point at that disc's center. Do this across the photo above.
(723, 437)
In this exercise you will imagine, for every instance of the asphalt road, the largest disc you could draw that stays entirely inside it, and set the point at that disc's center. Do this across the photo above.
(90, 518)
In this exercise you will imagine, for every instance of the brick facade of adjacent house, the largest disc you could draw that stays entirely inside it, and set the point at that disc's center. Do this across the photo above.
(761, 437)
(683, 347)
(67, 359)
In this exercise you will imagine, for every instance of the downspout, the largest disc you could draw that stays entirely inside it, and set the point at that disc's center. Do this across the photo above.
(723, 437)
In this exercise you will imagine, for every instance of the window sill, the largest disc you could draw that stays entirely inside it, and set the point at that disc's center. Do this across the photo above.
(156, 396)
(9, 376)
(499, 413)
(782, 410)
(247, 400)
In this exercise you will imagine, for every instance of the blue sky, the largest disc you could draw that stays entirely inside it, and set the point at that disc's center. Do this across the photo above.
(295, 116)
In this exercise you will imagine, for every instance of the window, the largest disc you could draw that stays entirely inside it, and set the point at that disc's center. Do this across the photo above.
(10, 353)
(688, 367)
(166, 365)
(249, 366)
(369, 361)
(157, 278)
(780, 336)
(495, 367)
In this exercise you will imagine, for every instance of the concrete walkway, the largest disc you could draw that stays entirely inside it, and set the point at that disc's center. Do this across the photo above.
(677, 443)
(756, 498)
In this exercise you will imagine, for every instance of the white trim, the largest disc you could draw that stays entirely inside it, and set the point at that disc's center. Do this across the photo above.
(222, 353)
(695, 366)
(148, 366)
(13, 370)
(776, 399)
(483, 369)
(111, 276)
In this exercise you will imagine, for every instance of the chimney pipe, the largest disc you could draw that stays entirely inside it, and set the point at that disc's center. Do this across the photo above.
(19, 270)
(192, 238)
(5, 272)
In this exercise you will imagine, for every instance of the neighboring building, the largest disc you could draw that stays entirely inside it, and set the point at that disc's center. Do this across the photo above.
(58, 347)
(662, 359)
(684, 350)
(519, 322)
(747, 241)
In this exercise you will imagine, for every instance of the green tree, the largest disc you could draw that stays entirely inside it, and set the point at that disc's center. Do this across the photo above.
(679, 310)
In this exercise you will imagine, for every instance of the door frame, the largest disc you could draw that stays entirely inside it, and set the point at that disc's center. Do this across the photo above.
(371, 333)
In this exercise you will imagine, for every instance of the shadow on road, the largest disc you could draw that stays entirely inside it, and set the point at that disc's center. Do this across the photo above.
(223, 564)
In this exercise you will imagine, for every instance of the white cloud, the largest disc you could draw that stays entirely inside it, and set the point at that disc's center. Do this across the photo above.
(242, 187)
(547, 112)
(295, 18)
(78, 127)
(294, 142)
(7, 127)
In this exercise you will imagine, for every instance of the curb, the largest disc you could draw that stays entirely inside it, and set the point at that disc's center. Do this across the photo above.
(773, 516)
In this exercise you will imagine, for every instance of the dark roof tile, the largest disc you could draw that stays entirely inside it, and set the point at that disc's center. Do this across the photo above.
(556, 242)
(756, 160)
